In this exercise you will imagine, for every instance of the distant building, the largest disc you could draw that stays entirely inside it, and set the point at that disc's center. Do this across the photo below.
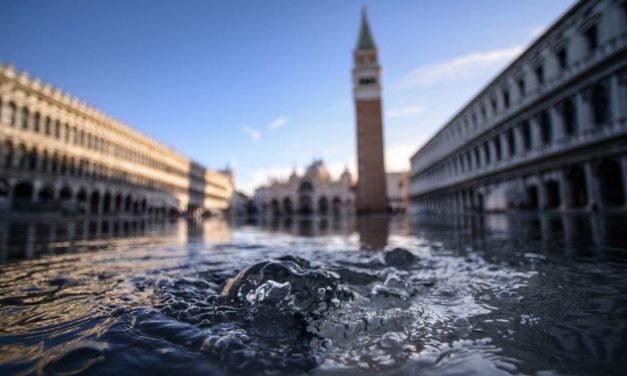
(313, 193)
(397, 186)
(59, 154)
(371, 195)
(550, 132)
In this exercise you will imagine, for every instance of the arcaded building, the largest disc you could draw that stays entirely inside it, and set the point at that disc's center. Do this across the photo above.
(313, 193)
(549, 132)
(59, 154)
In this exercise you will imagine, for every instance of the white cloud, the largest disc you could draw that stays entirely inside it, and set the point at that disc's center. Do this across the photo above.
(460, 67)
(403, 110)
(278, 123)
(252, 133)
(397, 156)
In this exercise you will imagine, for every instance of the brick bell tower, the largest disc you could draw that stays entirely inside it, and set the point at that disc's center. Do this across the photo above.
(371, 191)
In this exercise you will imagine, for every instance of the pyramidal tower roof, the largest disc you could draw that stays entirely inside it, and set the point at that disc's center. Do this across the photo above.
(365, 40)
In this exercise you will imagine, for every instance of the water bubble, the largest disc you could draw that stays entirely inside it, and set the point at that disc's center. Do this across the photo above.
(392, 340)
(271, 292)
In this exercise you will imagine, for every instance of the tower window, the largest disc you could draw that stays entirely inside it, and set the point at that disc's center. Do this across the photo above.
(367, 80)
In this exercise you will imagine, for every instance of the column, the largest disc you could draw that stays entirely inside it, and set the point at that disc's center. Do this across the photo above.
(557, 124)
(100, 208)
(504, 145)
(492, 149)
(482, 156)
(542, 199)
(583, 120)
(518, 139)
(536, 140)
(594, 196)
(565, 196)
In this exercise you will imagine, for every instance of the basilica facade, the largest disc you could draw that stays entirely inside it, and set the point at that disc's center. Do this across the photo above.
(313, 193)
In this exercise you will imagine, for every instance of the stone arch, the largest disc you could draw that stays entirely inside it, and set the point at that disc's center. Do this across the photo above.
(128, 203)
(12, 114)
(81, 200)
(22, 156)
(610, 180)
(45, 196)
(54, 163)
(288, 206)
(337, 206)
(600, 102)
(23, 195)
(533, 197)
(32, 159)
(44, 161)
(117, 206)
(305, 205)
(323, 206)
(7, 154)
(106, 202)
(24, 116)
(305, 188)
(275, 207)
(65, 194)
(94, 202)
(576, 180)
(553, 196)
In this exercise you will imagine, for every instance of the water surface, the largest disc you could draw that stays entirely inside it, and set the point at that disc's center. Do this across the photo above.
(496, 294)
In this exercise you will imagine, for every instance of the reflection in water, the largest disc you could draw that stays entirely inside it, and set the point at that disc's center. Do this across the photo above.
(470, 294)
(28, 239)
(373, 232)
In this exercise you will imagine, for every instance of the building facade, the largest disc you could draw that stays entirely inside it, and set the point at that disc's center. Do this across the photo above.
(397, 187)
(550, 132)
(59, 154)
(371, 194)
(313, 193)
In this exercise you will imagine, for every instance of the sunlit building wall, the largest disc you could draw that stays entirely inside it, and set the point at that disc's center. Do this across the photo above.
(549, 132)
(57, 153)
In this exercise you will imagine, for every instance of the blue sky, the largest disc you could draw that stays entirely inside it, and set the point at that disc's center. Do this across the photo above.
(266, 85)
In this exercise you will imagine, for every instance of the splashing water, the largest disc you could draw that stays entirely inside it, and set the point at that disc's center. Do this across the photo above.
(438, 302)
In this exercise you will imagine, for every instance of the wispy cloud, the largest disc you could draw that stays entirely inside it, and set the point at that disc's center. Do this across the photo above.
(403, 110)
(397, 156)
(278, 123)
(252, 133)
(464, 66)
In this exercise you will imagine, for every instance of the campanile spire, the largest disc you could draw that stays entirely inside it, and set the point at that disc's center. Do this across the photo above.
(371, 190)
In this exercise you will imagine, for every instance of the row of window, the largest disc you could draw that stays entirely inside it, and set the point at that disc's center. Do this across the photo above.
(519, 139)
(71, 134)
(501, 99)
